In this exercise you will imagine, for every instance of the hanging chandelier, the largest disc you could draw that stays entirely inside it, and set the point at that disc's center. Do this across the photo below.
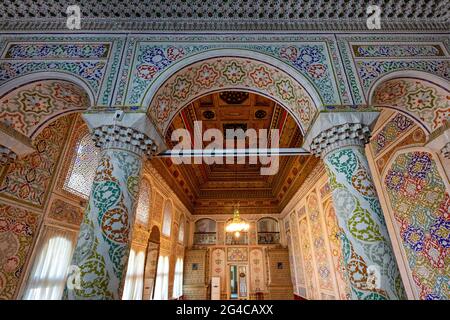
(236, 225)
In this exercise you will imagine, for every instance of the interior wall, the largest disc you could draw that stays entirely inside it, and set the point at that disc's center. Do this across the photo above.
(314, 248)
(195, 274)
(254, 256)
(29, 200)
(32, 196)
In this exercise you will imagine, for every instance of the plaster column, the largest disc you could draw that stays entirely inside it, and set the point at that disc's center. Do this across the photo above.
(101, 254)
(339, 139)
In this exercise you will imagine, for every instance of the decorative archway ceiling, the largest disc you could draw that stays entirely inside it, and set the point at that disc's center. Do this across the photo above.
(28, 107)
(214, 188)
(219, 15)
(424, 101)
(230, 74)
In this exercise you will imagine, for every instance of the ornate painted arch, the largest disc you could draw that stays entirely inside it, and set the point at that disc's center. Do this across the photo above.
(423, 97)
(202, 77)
(29, 107)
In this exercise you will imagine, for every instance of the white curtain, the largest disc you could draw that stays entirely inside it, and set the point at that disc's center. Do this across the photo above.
(134, 281)
(48, 275)
(162, 279)
(178, 279)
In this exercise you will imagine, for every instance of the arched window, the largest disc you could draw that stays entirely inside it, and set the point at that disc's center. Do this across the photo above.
(82, 170)
(162, 279)
(134, 280)
(205, 231)
(268, 231)
(178, 279)
(167, 220)
(143, 207)
(48, 275)
(181, 231)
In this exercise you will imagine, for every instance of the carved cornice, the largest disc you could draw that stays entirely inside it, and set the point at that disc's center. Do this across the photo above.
(349, 134)
(124, 138)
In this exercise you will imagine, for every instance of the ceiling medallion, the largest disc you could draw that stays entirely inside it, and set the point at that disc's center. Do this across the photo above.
(260, 114)
(209, 114)
(233, 97)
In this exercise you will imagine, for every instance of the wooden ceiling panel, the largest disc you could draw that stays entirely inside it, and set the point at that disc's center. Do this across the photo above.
(229, 182)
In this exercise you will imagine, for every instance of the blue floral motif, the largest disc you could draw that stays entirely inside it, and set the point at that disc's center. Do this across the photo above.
(441, 232)
(155, 56)
(57, 50)
(414, 237)
(419, 166)
(308, 56)
(91, 71)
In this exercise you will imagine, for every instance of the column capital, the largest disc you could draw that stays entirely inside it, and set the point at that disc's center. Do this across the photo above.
(339, 128)
(344, 135)
(133, 132)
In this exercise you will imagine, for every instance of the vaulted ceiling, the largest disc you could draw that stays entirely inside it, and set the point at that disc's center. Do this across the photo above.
(212, 189)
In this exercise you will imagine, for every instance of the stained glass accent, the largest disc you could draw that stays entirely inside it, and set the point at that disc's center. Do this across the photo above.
(82, 171)
(143, 207)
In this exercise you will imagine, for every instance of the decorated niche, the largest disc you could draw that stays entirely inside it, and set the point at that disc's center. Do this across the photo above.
(218, 266)
(257, 280)
(419, 203)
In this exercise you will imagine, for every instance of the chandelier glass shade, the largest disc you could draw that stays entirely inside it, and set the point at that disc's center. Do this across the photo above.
(236, 225)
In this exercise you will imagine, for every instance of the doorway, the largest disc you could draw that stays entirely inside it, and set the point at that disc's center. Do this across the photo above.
(238, 282)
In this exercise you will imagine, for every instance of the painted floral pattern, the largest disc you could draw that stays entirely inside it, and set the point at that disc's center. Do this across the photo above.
(423, 100)
(420, 204)
(104, 240)
(367, 251)
(229, 73)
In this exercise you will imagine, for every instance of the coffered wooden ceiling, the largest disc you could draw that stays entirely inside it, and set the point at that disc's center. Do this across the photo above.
(213, 189)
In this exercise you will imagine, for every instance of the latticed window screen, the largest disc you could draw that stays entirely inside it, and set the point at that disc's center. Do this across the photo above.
(167, 220)
(143, 207)
(82, 170)
(181, 232)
